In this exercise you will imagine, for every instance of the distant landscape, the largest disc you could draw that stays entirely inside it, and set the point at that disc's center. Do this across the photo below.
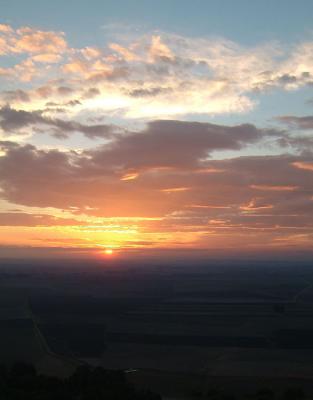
(194, 326)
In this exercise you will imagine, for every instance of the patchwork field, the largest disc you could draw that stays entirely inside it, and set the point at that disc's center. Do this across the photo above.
(164, 325)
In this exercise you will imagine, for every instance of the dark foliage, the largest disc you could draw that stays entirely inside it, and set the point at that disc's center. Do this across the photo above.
(22, 382)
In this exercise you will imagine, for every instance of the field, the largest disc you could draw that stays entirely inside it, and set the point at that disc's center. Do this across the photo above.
(20, 338)
(179, 324)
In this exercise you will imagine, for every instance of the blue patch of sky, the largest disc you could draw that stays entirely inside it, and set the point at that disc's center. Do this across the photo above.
(245, 21)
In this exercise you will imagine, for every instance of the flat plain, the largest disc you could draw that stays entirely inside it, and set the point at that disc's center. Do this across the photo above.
(181, 324)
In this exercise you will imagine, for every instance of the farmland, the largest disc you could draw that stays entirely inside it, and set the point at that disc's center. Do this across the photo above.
(180, 324)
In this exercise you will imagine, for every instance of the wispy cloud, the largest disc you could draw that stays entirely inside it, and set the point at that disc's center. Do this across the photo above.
(154, 75)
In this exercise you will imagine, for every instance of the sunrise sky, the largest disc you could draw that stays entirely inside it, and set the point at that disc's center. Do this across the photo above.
(144, 125)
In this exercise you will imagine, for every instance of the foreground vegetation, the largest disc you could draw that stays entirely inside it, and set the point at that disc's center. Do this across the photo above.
(261, 394)
(22, 382)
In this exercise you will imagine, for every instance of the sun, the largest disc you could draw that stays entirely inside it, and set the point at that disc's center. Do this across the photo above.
(108, 252)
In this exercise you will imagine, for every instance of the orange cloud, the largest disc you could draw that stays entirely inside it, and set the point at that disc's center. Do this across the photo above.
(255, 205)
(5, 28)
(47, 58)
(303, 165)
(129, 177)
(206, 206)
(274, 188)
(123, 51)
(175, 189)
(35, 45)
(91, 52)
(76, 67)
(159, 50)
(29, 40)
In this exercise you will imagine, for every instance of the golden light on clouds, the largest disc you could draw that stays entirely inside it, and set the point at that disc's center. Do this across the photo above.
(130, 176)
(303, 165)
(175, 189)
(255, 205)
(274, 188)
(117, 146)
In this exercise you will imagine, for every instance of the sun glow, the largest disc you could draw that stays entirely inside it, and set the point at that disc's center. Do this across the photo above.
(108, 252)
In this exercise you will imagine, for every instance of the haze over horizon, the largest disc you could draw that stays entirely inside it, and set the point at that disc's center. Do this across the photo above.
(132, 128)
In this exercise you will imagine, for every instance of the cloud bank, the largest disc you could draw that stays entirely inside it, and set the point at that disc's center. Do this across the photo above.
(154, 75)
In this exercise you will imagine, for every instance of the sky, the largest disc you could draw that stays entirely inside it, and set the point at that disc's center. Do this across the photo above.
(136, 126)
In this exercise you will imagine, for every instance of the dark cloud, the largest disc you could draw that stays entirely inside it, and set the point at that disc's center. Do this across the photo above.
(45, 91)
(150, 92)
(65, 91)
(15, 121)
(15, 95)
(90, 93)
(52, 105)
(112, 75)
(287, 79)
(174, 144)
(24, 219)
(163, 171)
(297, 122)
